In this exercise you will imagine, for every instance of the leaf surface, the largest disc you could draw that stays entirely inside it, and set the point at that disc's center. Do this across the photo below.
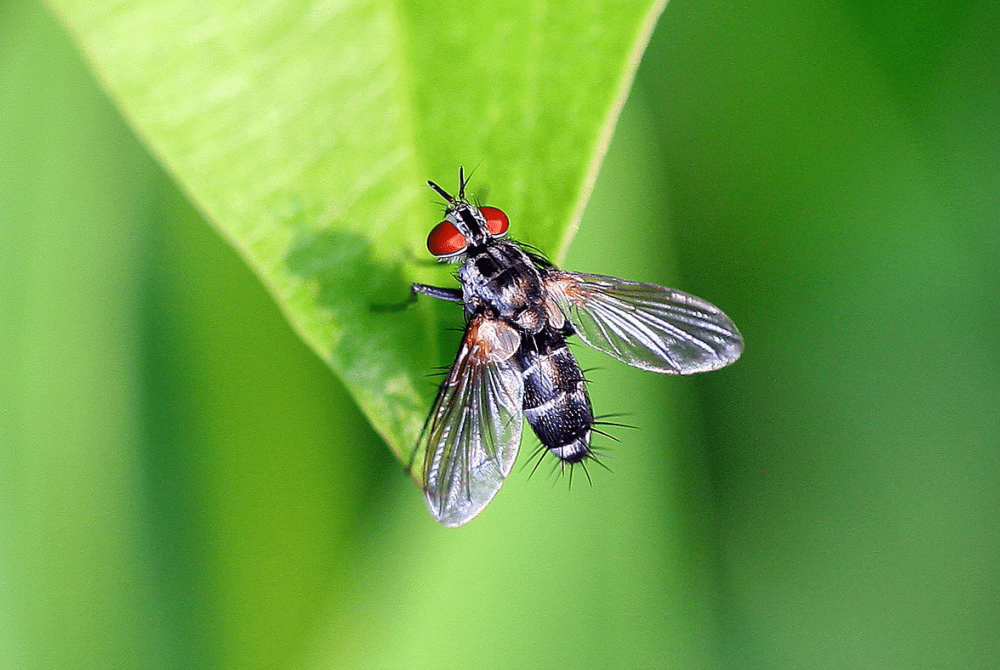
(305, 131)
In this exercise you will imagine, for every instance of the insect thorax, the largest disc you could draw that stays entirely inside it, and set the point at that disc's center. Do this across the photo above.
(503, 278)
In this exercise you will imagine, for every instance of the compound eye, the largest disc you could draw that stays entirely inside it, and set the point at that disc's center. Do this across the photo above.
(445, 240)
(496, 221)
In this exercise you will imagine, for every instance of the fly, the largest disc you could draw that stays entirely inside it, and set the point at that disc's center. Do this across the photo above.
(513, 361)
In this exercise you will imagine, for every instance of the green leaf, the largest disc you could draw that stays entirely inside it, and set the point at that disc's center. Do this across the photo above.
(305, 131)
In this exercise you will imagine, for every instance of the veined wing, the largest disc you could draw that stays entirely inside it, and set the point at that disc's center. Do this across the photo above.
(472, 435)
(645, 325)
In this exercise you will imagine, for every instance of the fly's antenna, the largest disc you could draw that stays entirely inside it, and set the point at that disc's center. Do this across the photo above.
(462, 182)
(441, 192)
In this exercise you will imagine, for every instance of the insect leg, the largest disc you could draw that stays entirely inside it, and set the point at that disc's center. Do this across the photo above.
(449, 294)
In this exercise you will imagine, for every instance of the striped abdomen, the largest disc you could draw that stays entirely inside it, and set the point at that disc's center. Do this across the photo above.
(555, 395)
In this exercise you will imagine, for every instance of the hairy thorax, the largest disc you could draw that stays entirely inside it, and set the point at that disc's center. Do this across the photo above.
(503, 278)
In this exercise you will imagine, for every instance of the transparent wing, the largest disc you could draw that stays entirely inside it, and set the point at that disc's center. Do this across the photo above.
(472, 435)
(645, 325)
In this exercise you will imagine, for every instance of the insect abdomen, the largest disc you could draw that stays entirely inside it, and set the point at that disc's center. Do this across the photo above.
(555, 396)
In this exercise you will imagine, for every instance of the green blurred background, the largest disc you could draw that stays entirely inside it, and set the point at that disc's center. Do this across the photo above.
(184, 485)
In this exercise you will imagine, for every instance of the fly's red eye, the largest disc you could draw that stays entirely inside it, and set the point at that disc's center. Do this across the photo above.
(445, 240)
(496, 221)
